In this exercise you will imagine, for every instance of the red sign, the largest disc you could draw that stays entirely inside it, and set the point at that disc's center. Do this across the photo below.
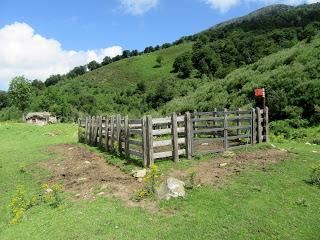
(259, 92)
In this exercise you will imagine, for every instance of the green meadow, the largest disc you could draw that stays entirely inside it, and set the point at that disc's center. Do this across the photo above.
(275, 204)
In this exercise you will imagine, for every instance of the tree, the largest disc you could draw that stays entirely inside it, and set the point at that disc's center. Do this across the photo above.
(205, 60)
(93, 65)
(20, 92)
(4, 101)
(148, 49)
(37, 84)
(134, 53)
(77, 71)
(183, 65)
(52, 80)
(126, 54)
(107, 60)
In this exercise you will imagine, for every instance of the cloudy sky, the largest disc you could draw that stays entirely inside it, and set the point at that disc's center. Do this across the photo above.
(43, 37)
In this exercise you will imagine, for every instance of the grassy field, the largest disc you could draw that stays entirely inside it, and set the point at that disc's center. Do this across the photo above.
(274, 204)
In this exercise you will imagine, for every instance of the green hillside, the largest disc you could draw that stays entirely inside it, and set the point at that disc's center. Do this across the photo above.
(128, 72)
(291, 78)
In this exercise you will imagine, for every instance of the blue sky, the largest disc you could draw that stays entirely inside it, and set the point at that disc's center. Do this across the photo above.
(42, 37)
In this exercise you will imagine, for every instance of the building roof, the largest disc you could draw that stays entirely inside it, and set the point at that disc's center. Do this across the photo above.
(38, 114)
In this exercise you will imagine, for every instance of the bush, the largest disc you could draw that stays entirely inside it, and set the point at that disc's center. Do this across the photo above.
(10, 113)
(151, 181)
(315, 176)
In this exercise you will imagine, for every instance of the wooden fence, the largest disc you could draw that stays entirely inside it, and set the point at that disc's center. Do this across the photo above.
(151, 139)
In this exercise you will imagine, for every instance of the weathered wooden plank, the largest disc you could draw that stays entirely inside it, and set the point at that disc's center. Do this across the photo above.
(135, 153)
(126, 137)
(259, 126)
(167, 154)
(112, 123)
(135, 142)
(86, 132)
(240, 136)
(106, 136)
(188, 134)
(118, 133)
(135, 126)
(221, 119)
(165, 131)
(100, 131)
(149, 141)
(144, 141)
(156, 121)
(266, 124)
(135, 121)
(212, 130)
(136, 132)
(174, 132)
(208, 140)
(253, 127)
(225, 132)
(220, 112)
(167, 142)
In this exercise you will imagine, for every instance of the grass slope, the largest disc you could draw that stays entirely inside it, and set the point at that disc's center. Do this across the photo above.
(128, 72)
(286, 75)
(252, 205)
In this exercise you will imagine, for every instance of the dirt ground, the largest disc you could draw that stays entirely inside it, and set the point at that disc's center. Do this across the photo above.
(208, 172)
(87, 175)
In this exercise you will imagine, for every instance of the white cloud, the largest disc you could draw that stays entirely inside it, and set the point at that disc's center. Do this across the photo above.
(221, 5)
(225, 5)
(138, 7)
(25, 53)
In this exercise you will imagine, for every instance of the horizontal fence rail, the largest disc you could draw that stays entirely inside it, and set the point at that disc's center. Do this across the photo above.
(190, 134)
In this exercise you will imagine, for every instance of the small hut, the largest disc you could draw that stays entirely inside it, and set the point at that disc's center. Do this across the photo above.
(40, 118)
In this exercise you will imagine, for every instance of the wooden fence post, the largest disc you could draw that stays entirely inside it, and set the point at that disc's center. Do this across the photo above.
(100, 131)
(119, 131)
(188, 134)
(112, 133)
(95, 140)
(266, 124)
(225, 131)
(126, 137)
(174, 132)
(92, 129)
(253, 127)
(150, 159)
(214, 122)
(238, 123)
(195, 123)
(106, 136)
(144, 141)
(259, 125)
(86, 131)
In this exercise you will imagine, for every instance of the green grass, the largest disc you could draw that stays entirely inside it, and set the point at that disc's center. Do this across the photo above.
(128, 72)
(251, 205)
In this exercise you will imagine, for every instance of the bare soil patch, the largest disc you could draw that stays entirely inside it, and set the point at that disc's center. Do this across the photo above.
(87, 175)
(208, 172)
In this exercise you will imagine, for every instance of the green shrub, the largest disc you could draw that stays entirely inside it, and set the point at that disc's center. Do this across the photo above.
(151, 182)
(192, 174)
(10, 113)
(20, 203)
(315, 176)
